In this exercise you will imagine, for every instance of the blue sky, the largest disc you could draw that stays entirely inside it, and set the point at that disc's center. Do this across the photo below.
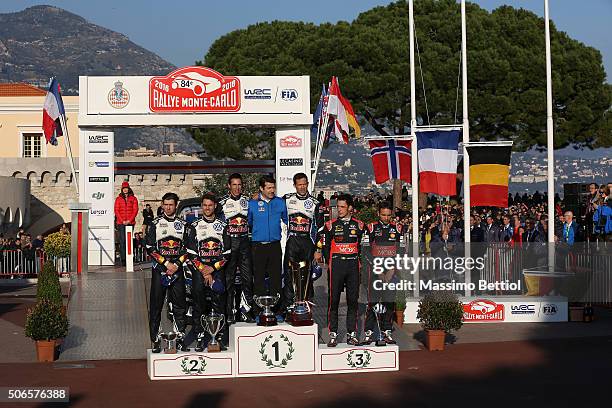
(181, 32)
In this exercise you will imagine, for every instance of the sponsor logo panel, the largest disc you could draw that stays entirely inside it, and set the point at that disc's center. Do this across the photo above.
(294, 162)
(483, 310)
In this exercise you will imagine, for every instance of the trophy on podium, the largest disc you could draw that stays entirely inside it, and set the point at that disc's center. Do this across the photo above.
(266, 317)
(169, 339)
(300, 314)
(213, 323)
(379, 310)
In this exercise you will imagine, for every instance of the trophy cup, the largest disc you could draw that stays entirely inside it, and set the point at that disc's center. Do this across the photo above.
(300, 315)
(213, 323)
(169, 344)
(266, 317)
(379, 310)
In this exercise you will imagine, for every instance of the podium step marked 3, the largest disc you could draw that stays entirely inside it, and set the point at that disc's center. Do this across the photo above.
(257, 351)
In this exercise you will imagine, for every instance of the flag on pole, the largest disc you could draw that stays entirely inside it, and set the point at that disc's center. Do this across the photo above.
(391, 159)
(489, 173)
(342, 111)
(317, 120)
(437, 160)
(53, 110)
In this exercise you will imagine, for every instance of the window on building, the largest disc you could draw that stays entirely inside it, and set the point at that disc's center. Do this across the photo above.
(32, 144)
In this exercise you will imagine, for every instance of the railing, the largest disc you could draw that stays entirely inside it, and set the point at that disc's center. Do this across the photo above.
(18, 263)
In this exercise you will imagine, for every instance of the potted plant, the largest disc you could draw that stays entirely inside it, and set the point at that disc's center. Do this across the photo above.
(400, 307)
(48, 287)
(439, 313)
(45, 324)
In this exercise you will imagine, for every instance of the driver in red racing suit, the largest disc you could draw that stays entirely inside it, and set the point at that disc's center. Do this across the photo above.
(339, 243)
(165, 243)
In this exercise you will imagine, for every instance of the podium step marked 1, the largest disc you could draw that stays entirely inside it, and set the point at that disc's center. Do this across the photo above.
(257, 351)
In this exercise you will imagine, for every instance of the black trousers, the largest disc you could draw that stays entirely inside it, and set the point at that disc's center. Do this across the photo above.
(267, 261)
(240, 259)
(374, 297)
(297, 249)
(205, 300)
(176, 295)
(343, 273)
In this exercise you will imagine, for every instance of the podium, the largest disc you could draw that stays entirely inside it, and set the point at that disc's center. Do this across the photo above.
(258, 351)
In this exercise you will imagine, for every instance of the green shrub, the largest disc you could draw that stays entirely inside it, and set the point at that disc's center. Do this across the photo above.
(45, 321)
(48, 287)
(57, 244)
(440, 310)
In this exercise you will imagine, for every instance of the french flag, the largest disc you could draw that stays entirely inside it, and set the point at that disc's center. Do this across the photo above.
(391, 159)
(53, 109)
(437, 158)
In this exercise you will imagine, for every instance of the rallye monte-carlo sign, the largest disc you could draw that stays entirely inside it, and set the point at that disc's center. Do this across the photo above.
(194, 89)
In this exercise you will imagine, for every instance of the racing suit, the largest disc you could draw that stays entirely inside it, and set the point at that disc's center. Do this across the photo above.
(384, 241)
(234, 212)
(165, 241)
(208, 244)
(305, 220)
(340, 241)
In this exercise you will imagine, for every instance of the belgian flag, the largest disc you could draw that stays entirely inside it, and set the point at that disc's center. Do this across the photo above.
(489, 173)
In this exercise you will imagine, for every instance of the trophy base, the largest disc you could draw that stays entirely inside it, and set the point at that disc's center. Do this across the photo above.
(170, 351)
(213, 348)
(266, 320)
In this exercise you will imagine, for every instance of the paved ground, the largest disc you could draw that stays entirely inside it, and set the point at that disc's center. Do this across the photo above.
(552, 373)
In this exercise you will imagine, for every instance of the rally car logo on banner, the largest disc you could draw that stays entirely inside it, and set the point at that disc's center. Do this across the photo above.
(483, 310)
(194, 89)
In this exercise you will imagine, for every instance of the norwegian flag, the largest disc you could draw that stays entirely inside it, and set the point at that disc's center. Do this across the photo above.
(391, 159)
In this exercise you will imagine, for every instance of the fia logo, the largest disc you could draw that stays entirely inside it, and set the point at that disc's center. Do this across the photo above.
(289, 95)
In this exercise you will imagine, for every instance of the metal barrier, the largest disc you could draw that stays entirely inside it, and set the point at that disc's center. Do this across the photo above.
(140, 254)
(18, 263)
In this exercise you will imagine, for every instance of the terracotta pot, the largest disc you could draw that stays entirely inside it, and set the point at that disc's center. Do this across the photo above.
(399, 317)
(435, 340)
(45, 350)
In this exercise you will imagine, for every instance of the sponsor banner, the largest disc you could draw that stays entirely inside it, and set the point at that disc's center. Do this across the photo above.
(99, 179)
(528, 311)
(98, 189)
(196, 89)
(483, 310)
(292, 156)
(199, 90)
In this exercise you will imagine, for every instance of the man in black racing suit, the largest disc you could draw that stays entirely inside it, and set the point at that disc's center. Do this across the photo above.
(165, 243)
(339, 243)
(233, 211)
(384, 238)
(305, 221)
(208, 247)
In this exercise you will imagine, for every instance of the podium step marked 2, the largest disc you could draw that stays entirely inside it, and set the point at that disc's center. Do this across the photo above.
(257, 351)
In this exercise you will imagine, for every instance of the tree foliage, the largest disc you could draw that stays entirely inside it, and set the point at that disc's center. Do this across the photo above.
(506, 69)
(236, 143)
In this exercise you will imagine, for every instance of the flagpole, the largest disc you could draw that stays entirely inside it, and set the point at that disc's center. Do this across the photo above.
(413, 124)
(466, 129)
(320, 139)
(550, 169)
(75, 180)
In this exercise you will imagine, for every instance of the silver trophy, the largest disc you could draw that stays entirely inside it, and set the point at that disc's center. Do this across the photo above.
(379, 310)
(213, 323)
(169, 344)
(266, 317)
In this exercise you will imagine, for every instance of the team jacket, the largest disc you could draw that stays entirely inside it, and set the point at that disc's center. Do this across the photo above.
(165, 241)
(304, 214)
(208, 243)
(341, 237)
(234, 211)
(384, 239)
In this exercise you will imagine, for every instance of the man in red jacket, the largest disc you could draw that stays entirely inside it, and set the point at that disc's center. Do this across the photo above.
(126, 209)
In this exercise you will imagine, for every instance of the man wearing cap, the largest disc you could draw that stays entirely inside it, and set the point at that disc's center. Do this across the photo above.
(126, 209)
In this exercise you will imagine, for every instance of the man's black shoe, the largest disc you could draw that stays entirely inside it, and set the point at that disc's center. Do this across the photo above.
(156, 346)
(199, 345)
(180, 345)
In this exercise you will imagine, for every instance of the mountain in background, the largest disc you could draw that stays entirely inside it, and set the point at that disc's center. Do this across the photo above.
(43, 41)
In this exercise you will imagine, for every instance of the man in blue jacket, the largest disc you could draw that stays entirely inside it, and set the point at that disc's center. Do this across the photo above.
(265, 215)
